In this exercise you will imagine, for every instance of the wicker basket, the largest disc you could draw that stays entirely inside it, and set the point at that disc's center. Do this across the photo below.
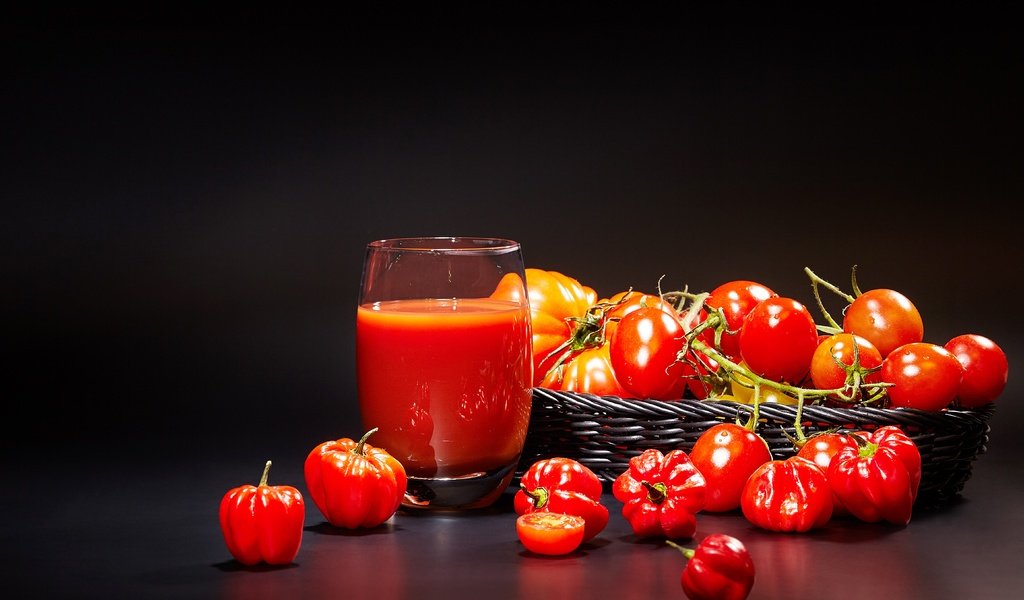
(604, 432)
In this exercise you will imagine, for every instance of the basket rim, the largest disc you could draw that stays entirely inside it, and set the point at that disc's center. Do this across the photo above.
(776, 411)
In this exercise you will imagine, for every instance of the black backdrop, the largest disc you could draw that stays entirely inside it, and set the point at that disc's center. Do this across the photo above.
(186, 206)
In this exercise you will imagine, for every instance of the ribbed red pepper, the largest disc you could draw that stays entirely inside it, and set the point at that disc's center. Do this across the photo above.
(263, 523)
(353, 483)
(720, 568)
(787, 495)
(661, 494)
(566, 486)
(873, 481)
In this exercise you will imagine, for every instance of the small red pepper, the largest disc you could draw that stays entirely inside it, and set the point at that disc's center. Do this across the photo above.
(821, 449)
(353, 483)
(661, 494)
(873, 481)
(893, 438)
(263, 523)
(787, 495)
(563, 485)
(719, 569)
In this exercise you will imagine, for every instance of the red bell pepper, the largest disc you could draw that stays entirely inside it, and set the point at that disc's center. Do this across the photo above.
(563, 485)
(720, 568)
(263, 523)
(787, 495)
(353, 483)
(893, 438)
(821, 448)
(661, 494)
(873, 481)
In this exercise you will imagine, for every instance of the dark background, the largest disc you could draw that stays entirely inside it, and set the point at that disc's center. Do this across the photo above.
(187, 206)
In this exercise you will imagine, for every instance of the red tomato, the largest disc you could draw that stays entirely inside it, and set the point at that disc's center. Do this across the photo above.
(778, 339)
(627, 302)
(644, 354)
(924, 376)
(827, 375)
(985, 369)
(589, 372)
(886, 318)
(736, 299)
(726, 454)
(550, 533)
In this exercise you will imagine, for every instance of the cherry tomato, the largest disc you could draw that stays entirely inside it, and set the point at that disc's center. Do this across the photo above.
(627, 302)
(588, 372)
(778, 339)
(827, 375)
(549, 532)
(924, 376)
(985, 369)
(644, 354)
(886, 318)
(726, 454)
(736, 299)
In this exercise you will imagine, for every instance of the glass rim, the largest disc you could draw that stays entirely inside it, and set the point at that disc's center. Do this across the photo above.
(446, 245)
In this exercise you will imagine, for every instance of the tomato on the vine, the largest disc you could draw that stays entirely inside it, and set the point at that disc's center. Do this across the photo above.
(550, 533)
(645, 351)
(924, 376)
(624, 303)
(726, 454)
(827, 374)
(778, 339)
(884, 317)
(985, 369)
(735, 299)
(589, 372)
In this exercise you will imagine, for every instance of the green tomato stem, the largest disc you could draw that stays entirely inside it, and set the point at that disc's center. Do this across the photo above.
(815, 281)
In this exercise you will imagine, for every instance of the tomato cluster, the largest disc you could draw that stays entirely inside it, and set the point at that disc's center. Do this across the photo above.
(745, 342)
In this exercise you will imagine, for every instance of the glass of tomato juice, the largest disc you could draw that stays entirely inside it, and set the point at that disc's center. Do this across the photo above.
(444, 367)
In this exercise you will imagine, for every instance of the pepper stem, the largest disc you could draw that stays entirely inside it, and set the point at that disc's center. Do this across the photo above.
(362, 441)
(539, 495)
(687, 552)
(655, 491)
(266, 473)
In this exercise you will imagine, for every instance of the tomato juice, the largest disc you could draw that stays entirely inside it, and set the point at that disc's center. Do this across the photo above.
(447, 382)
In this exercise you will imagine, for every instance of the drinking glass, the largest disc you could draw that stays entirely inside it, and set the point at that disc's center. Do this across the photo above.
(444, 367)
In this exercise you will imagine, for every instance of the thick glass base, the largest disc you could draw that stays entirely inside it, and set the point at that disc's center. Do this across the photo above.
(475, 490)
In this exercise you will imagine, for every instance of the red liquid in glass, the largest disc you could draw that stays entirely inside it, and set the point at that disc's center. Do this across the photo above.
(447, 382)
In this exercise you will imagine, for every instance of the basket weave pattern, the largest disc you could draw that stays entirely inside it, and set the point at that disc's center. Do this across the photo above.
(604, 432)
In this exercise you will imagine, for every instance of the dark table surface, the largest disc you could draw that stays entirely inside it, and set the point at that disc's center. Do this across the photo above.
(142, 523)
